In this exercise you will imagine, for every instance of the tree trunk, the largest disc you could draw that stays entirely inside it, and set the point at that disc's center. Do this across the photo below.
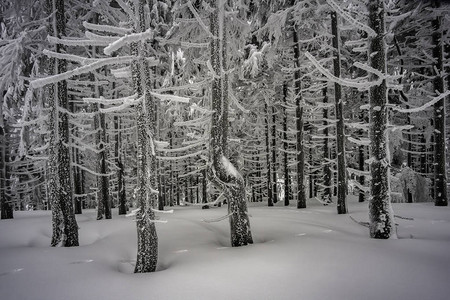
(223, 173)
(340, 134)
(147, 239)
(301, 193)
(440, 175)
(269, 167)
(326, 152)
(285, 146)
(274, 155)
(380, 211)
(5, 205)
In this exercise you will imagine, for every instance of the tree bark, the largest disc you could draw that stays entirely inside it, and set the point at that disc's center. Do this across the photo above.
(147, 239)
(340, 134)
(285, 146)
(380, 211)
(274, 155)
(222, 171)
(5, 204)
(301, 193)
(269, 167)
(440, 174)
(326, 152)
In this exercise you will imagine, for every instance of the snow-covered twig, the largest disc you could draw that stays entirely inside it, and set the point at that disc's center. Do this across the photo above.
(127, 39)
(81, 70)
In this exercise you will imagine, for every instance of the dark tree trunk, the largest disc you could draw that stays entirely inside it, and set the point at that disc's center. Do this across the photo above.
(5, 204)
(223, 173)
(301, 193)
(287, 195)
(380, 211)
(274, 154)
(326, 152)
(147, 239)
(340, 134)
(440, 175)
(269, 167)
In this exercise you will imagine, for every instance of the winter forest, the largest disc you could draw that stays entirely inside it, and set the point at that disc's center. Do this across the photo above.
(224, 149)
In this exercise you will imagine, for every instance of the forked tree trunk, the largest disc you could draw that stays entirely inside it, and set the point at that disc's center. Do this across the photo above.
(380, 211)
(223, 173)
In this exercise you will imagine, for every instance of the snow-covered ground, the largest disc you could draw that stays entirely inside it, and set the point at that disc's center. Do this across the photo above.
(298, 254)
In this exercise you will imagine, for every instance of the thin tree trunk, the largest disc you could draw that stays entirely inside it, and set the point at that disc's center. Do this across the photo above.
(287, 195)
(269, 167)
(274, 155)
(5, 205)
(380, 211)
(326, 152)
(440, 174)
(340, 135)
(301, 193)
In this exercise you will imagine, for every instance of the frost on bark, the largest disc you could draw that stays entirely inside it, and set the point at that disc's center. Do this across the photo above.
(65, 227)
(269, 167)
(326, 152)
(287, 195)
(380, 211)
(340, 134)
(222, 173)
(440, 175)
(301, 193)
(5, 206)
(147, 239)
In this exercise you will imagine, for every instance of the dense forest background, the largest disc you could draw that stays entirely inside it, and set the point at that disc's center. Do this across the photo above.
(148, 104)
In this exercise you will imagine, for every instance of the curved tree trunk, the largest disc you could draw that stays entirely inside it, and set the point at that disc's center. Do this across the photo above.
(223, 173)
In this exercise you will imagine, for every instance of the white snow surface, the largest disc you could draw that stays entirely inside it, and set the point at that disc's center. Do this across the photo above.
(311, 253)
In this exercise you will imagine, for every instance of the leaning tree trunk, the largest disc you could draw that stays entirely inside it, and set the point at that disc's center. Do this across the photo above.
(440, 175)
(380, 211)
(301, 193)
(147, 239)
(223, 173)
(340, 134)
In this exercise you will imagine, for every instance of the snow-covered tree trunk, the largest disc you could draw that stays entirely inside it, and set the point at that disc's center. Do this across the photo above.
(326, 152)
(440, 172)
(340, 134)
(285, 146)
(301, 193)
(223, 173)
(274, 154)
(380, 210)
(121, 194)
(269, 164)
(5, 206)
(147, 239)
